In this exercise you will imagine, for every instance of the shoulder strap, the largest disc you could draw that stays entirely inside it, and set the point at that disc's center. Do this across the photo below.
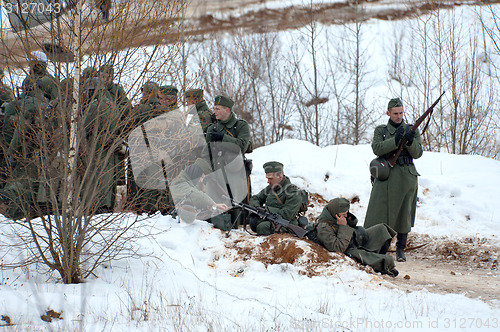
(277, 197)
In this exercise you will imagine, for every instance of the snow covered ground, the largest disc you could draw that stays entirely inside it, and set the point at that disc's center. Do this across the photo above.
(191, 277)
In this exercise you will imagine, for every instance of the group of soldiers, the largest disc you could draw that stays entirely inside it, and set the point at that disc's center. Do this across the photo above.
(36, 141)
(33, 144)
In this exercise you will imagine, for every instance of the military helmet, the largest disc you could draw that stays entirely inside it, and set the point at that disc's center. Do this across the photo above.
(150, 87)
(168, 90)
(379, 168)
(38, 56)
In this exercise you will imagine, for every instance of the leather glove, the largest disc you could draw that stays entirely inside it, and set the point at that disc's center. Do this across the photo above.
(217, 135)
(399, 134)
(410, 135)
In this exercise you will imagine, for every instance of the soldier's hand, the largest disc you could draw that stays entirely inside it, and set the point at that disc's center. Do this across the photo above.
(410, 135)
(221, 206)
(399, 134)
(217, 135)
(261, 209)
(341, 220)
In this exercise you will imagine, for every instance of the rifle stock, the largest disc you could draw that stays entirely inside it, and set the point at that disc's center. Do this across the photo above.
(394, 157)
(275, 218)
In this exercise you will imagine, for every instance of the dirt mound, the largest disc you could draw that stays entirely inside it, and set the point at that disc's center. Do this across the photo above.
(472, 251)
(310, 258)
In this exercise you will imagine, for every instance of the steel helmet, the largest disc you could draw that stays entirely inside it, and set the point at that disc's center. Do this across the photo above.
(38, 56)
(379, 168)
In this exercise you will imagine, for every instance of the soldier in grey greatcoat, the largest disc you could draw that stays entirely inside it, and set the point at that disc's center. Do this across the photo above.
(337, 230)
(393, 201)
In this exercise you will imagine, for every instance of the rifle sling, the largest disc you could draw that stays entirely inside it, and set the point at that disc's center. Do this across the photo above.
(277, 197)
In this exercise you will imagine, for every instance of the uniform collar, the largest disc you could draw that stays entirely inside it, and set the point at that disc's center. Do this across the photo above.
(391, 128)
(231, 121)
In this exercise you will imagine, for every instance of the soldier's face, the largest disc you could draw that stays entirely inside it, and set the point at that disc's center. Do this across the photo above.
(106, 77)
(273, 179)
(221, 112)
(396, 114)
(190, 100)
(166, 99)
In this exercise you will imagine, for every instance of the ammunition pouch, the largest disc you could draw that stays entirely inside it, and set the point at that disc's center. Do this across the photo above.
(404, 160)
(248, 165)
(302, 221)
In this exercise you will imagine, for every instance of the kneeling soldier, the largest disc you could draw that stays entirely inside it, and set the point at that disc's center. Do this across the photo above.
(280, 196)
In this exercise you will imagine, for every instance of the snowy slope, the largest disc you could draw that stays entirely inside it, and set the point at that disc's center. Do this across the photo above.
(191, 277)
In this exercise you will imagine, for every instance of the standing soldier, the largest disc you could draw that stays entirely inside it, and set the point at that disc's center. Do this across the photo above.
(393, 201)
(227, 129)
(6, 94)
(119, 97)
(195, 97)
(30, 117)
(102, 165)
(141, 113)
(167, 97)
(39, 77)
(106, 75)
(152, 200)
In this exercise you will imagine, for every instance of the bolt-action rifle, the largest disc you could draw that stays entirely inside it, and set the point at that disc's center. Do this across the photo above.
(275, 218)
(394, 157)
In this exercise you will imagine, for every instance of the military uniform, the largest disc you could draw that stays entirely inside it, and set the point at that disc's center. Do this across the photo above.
(6, 94)
(102, 171)
(186, 187)
(118, 94)
(153, 200)
(204, 114)
(28, 150)
(284, 199)
(40, 79)
(237, 132)
(393, 201)
(368, 248)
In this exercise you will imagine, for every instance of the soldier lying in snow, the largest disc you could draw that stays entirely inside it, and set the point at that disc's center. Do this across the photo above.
(336, 230)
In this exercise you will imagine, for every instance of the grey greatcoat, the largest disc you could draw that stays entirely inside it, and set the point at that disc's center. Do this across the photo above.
(342, 238)
(394, 200)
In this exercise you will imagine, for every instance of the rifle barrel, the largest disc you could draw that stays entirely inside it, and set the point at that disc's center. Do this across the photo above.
(392, 159)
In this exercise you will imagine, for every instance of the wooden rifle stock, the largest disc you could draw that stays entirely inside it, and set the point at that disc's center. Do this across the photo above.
(394, 157)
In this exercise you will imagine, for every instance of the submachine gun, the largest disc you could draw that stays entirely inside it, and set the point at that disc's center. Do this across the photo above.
(275, 218)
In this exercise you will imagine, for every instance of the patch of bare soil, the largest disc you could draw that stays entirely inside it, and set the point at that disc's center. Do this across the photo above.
(308, 257)
(466, 266)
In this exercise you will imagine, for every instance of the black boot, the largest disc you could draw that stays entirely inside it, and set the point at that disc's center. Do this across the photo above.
(400, 247)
